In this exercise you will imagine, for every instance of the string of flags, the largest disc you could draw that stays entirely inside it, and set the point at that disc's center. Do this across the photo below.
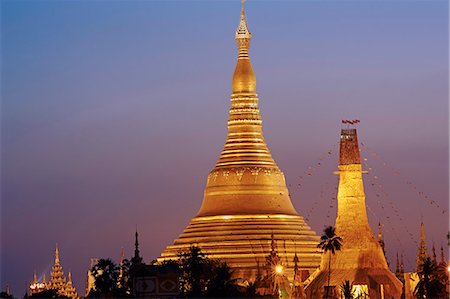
(311, 169)
(350, 122)
(408, 182)
(391, 227)
(309, 172)
(383, 195)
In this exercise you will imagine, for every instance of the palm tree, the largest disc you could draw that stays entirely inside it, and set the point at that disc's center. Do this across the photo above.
(331, 243)
(429, 285)
(105, 273)
(347, 290)
(222, 285)
(195, 270)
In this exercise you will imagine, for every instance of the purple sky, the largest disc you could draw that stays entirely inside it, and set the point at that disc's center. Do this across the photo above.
(114, 112)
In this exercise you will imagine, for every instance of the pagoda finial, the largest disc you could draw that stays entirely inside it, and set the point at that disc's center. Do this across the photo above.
(136, 244)
(402, 266)
(422, 250)
(242, 32)
(397, 264)
(442, 261)
(272, 243)
(433, 250)
(136, 259)
(56, 255)
(122, 256)
(34, 277)
(244, 80)
(69, 278)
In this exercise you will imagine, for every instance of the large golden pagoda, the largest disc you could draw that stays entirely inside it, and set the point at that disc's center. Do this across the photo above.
(361, 259)
(246, 200)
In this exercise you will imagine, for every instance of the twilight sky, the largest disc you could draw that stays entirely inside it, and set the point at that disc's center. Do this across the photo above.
(114, 112)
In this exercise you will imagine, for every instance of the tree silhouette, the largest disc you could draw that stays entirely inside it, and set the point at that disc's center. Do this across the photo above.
(347, 290)
(106, 274)
(429, 285)
(201, 277)
(5, 295)
(195, 270)
(221, 285)
(329, 242)
(50, 293)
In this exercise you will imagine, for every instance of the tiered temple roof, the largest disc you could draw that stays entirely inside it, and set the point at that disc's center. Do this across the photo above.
(56, 282)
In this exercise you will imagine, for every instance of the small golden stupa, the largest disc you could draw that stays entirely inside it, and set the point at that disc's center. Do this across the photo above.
(361, 260)
(246, 199)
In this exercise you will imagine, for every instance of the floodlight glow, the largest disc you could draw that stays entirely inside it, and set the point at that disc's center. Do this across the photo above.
(278, 269)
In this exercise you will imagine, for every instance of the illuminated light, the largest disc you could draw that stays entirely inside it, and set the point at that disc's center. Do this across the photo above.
(279, 269)
(227, 217)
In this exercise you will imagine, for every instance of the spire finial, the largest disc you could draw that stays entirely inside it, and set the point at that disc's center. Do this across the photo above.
(136, 243)
(422, 252)
(136, 258)
(397, 264)
(122, 256)
(56, 254)
(243, 35)
(402, 267)
(433, 251)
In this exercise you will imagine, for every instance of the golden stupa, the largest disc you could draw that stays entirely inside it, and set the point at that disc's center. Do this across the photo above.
(361, 259)
(246, 200)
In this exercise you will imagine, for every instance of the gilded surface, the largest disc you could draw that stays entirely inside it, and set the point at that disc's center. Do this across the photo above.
(361, 259)
(246, 199)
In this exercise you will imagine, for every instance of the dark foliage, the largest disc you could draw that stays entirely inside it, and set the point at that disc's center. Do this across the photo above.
(430, 284)
(48, 294)
(109, 283)
(5, 295)
(330, 242)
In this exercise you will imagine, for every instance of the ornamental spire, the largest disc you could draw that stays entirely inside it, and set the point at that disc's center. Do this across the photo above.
(433, 250)
(136, 259)
(244, 80)
(422, 250)
(56, 255)
(242, 32)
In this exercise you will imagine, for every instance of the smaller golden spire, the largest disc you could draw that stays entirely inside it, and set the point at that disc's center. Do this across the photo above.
(56, 255)
(422, 250)
(397, 264)
(122, 256)
(402, 266)
(433, 250)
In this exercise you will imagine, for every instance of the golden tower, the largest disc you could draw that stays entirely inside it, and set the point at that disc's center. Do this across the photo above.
(361, 259)
(246, 199)
(422, 253)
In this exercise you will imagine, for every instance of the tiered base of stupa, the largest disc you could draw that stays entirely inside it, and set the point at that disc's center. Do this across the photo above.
(244, 242)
